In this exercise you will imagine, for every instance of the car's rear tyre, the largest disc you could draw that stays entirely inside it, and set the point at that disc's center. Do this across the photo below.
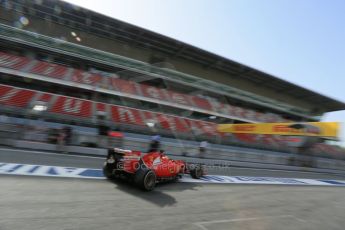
(107, 171)
(196, 172)
(145, 179)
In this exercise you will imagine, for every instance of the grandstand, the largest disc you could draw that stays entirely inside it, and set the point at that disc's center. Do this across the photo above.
(69, 65)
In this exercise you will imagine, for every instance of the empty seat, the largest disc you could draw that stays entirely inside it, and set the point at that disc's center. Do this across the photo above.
(85, 77)
(124, 86)
(72, 106)
(12, 61)
(11, 96)
(49, 69)
(126, 115)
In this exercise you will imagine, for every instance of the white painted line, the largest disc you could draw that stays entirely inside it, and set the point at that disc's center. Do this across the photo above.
(203, 227)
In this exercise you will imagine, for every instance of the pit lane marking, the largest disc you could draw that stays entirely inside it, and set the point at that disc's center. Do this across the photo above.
(202, 224)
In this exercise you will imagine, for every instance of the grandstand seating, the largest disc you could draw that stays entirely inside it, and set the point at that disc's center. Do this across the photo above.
(202, 103)
(72, 106)
(80, 108)
(106, 57)
(336, 151)
(151, 92)
(249, 139)
(83, 77)
(17, 97)
(124, 86)
(50, 70)
(101, 107)
(44, 97)
(12, 61)
(126, 115)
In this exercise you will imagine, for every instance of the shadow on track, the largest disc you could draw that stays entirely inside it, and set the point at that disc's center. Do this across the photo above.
(157, 196)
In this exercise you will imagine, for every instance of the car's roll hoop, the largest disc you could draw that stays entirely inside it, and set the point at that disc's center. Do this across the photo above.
(122, 151)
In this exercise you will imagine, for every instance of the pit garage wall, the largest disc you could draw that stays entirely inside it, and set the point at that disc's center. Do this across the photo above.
(145, 54)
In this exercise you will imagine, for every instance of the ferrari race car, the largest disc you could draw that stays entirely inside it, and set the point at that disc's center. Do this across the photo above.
(145, 170)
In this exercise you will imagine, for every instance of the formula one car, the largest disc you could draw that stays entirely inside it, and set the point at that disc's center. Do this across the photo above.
(145, 170)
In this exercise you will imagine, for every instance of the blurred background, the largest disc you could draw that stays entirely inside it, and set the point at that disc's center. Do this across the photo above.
(74, 80)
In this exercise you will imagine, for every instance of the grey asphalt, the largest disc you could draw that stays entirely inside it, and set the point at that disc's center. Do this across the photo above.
(54, 204)
(35, 203)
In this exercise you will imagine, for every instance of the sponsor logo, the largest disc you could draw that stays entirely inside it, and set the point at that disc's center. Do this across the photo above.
(245, 128)
(53, 171)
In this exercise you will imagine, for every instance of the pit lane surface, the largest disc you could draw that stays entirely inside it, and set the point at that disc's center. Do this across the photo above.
(55, 204)
(65, 203)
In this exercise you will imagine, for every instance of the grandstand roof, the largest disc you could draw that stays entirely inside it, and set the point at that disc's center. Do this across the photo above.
(93, 22)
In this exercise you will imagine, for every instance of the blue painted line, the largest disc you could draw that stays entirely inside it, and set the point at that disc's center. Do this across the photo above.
(92, 173)
(34, 169)
(270, 179)
(15, 168)
(208, 178)
(333, 182)
(70, 169)
(52, 171)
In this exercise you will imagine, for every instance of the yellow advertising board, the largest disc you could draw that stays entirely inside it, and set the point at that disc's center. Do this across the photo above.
(321, 129)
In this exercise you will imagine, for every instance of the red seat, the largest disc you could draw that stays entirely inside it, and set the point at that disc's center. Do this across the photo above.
(101, 107)
(72, 106)
(15, 96)
(172, 123)
(202, 127)
(49, 70)
(45, 97)
(201, 103)
(181, 125)
(246, 138)
(126, 115)
(178, 98)
(152, 92)
(12, 61)
(85, 77)
(124, 86)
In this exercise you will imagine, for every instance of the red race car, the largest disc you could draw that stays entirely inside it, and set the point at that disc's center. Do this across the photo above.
(145, 170)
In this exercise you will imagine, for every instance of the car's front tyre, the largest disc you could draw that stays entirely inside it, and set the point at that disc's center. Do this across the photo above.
(196, 171)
